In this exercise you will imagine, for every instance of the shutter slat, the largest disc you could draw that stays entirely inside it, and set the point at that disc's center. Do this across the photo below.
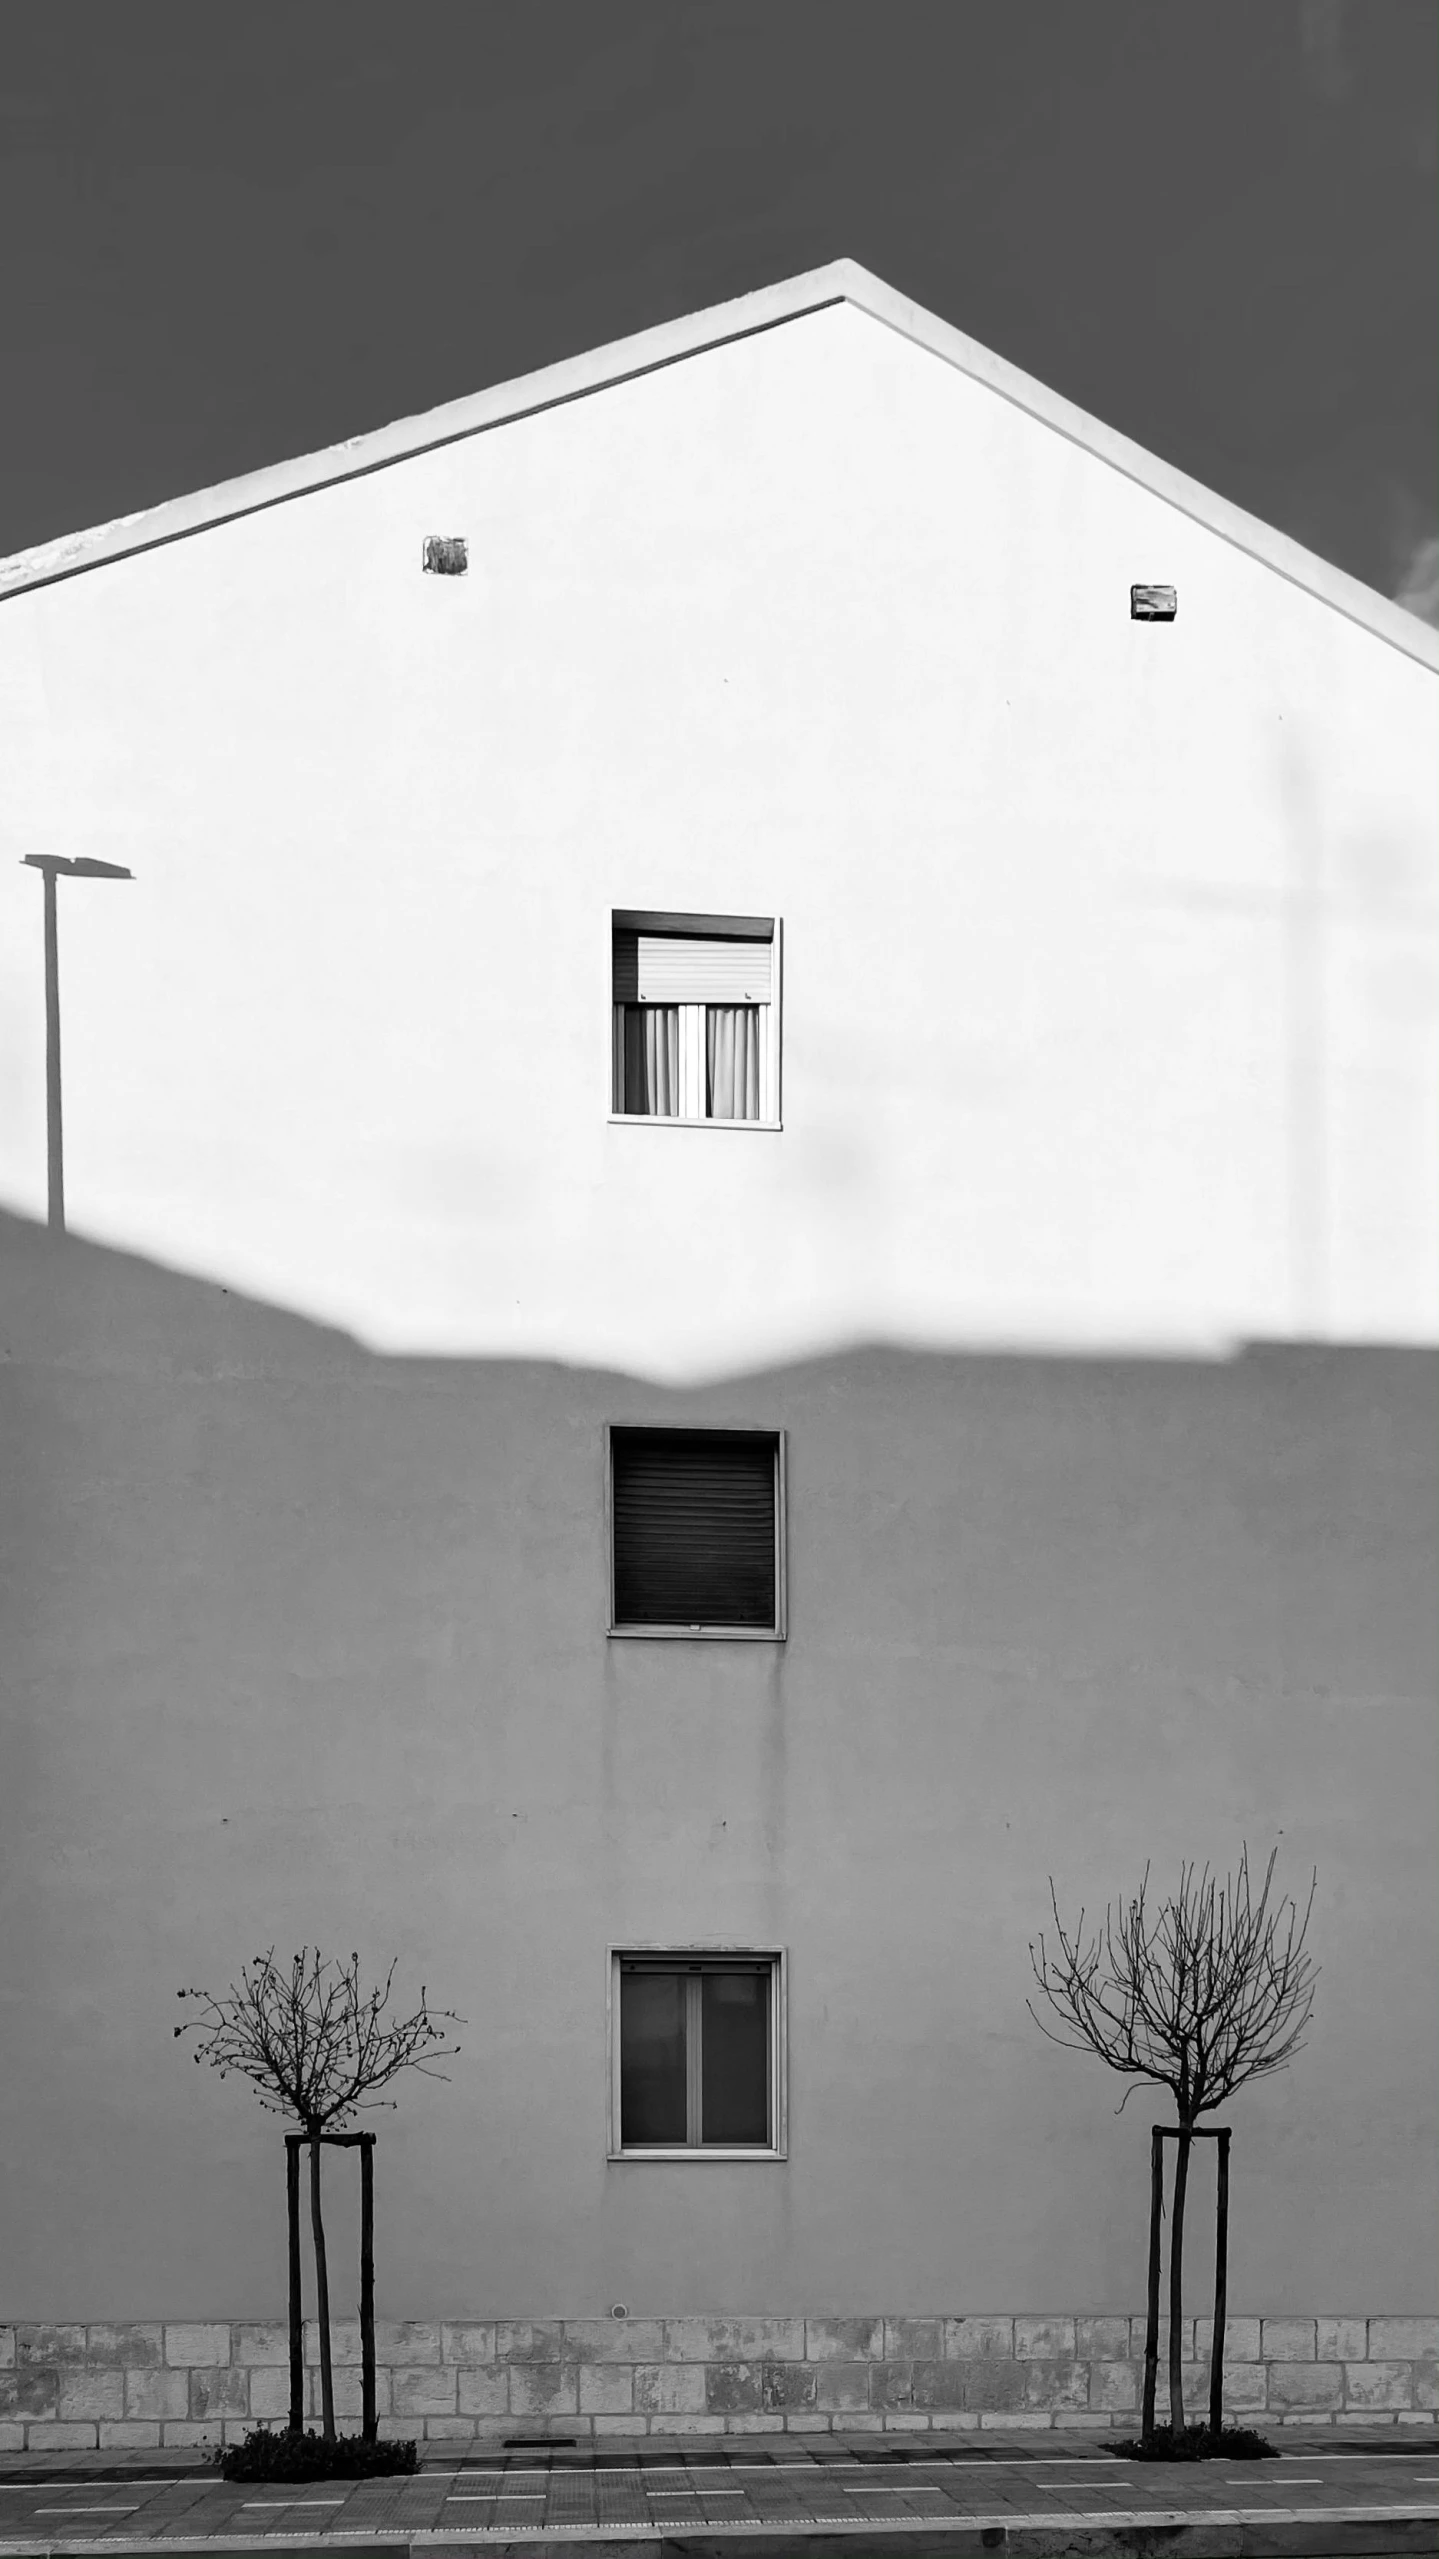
(694, 1529)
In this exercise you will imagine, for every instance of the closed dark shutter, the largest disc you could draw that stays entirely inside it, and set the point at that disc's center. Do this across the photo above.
(694, 1528)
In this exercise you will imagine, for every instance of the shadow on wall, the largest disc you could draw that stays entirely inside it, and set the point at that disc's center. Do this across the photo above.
(294, 1631)
(195, 1461)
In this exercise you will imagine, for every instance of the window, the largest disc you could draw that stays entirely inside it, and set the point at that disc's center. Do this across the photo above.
(696, 1018)
(697, 2061)
(697, 1533)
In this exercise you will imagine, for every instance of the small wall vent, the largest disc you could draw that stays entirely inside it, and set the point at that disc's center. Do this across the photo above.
(447, 554)
(1153, 603)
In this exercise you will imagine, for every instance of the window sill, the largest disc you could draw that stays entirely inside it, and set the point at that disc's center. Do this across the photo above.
(695, 1634)
(696, 2150)
(659, 1119)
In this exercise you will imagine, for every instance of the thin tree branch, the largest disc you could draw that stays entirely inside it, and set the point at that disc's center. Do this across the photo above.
(1200, 2003)
(311, 2045)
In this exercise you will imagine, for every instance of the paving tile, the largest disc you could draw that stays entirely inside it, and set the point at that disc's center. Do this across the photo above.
(732, 2485)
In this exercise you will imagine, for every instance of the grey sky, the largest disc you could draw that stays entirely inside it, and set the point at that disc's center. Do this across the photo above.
(227, 237)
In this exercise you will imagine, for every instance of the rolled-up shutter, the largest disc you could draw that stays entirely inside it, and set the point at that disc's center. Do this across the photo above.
(694, 1528)
(663, 968)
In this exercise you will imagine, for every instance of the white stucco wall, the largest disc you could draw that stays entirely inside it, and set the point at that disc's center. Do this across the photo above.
(1111, 995)
(304, 1646)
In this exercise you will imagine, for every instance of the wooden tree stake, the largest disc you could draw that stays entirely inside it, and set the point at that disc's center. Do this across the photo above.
(369, 2419)
(1151, 2332)
(1221, 2291)
(297, 2326)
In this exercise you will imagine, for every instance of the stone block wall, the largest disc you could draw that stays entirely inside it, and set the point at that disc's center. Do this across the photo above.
(148, 2383)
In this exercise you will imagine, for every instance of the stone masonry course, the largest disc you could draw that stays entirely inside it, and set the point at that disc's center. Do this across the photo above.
(147, 2383)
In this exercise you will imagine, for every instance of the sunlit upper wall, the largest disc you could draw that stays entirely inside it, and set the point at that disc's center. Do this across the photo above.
(1109, 948)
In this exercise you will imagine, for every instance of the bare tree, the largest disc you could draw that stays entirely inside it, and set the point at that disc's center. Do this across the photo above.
(316, 2050)
(1203, 2003)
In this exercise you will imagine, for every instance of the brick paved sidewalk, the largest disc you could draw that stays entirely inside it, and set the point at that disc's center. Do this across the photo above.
(708, 2496)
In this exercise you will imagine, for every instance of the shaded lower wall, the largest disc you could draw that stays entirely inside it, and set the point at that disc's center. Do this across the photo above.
(302, 1644)
(194, 2383)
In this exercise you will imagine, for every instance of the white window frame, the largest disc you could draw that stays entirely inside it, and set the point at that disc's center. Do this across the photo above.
(657, 920)
(705, 1950)
(776, 1634)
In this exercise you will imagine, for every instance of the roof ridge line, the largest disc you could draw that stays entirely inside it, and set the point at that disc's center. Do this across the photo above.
(674, 341)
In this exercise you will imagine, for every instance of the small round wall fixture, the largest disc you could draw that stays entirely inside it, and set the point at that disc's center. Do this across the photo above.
(446, 555)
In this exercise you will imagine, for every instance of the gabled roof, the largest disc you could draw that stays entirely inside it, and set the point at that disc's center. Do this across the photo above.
(672, 343)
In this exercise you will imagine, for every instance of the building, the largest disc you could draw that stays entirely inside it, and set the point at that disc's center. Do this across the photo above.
(753, 1263)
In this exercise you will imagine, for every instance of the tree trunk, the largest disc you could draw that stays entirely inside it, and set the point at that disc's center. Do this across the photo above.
(1176, 2287)
(322, 2295)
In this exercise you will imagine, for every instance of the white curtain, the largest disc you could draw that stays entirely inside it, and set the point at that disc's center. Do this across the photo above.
(649, 1059)
(732, 1061)
(652, 1077)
